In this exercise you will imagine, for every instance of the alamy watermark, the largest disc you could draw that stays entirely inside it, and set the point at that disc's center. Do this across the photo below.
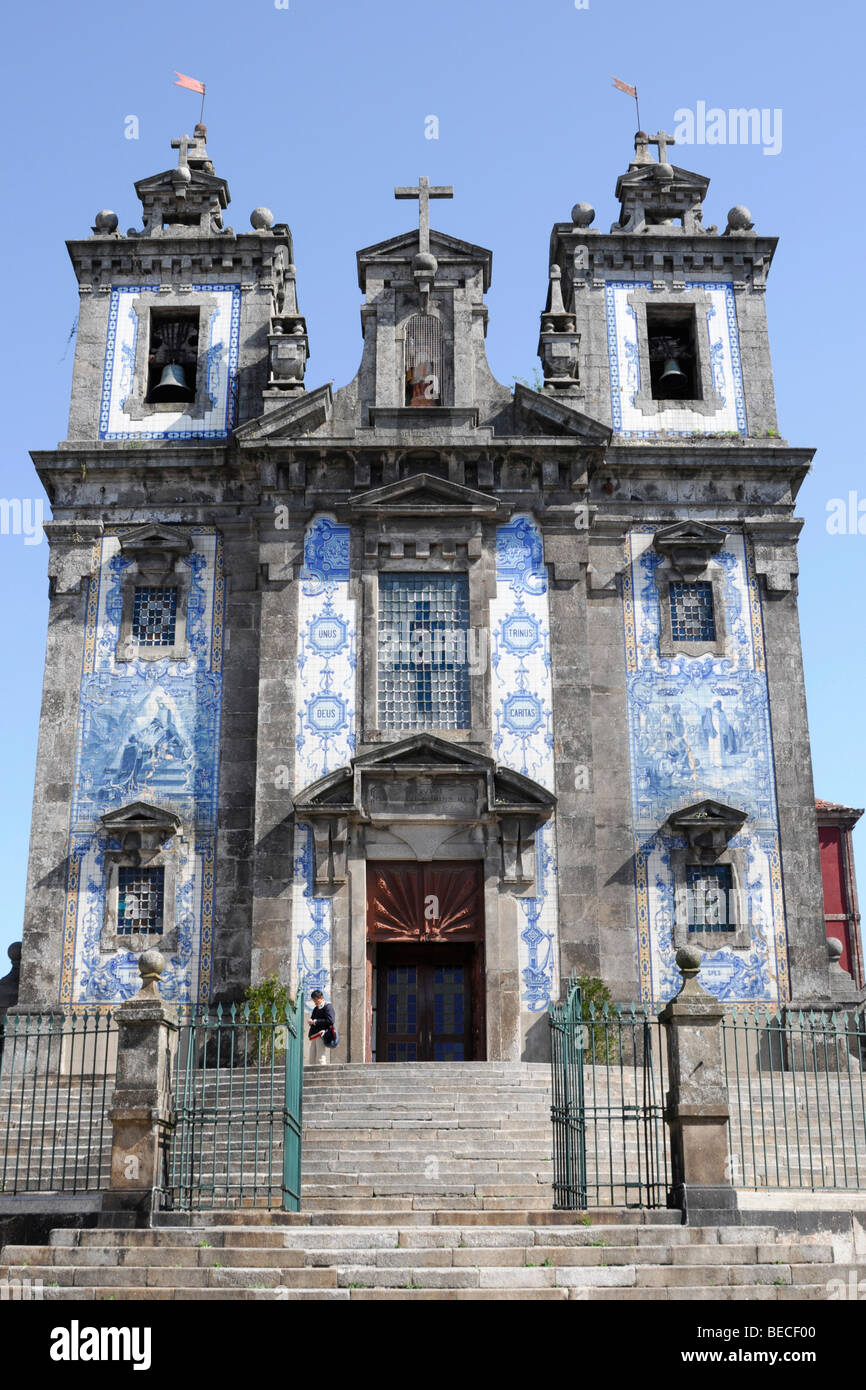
(737, 126)
(846, 516)
(22, 516)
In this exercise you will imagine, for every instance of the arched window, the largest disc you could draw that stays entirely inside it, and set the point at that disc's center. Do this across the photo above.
(423, 361)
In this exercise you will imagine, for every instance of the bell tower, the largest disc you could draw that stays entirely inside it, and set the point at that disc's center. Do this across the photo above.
(692, 567)
(145, 765)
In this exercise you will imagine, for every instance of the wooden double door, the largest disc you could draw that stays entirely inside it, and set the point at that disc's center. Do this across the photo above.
(426, 953)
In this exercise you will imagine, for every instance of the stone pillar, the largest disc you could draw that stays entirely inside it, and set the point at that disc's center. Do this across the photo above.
(697, 1103)
(142, 1105)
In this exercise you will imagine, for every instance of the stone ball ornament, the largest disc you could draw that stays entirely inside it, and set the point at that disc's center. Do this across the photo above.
(261, 219)
(151, 965)
(740, 219)
(582, 214)
(689, 959)
(105, 222)
(425, 263)
(664, 172)
(834, 949)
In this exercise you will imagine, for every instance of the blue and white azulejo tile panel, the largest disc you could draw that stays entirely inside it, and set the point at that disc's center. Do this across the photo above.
(147, 731)
(722, 344)
(699, 728)
(522, 701)
(219, 360)
(325, 739)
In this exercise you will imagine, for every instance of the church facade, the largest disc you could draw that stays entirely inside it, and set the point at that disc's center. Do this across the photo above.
(427, 689)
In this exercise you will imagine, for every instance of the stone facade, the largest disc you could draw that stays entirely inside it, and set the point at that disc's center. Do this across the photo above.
(252, 759)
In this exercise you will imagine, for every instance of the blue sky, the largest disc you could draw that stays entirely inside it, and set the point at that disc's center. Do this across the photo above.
(317, 110)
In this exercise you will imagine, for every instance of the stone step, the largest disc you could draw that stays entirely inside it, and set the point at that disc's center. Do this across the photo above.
(648, 1258)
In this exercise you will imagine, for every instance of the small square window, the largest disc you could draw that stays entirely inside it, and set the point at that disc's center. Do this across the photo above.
(154, 617)
(692, 613)
(711, 898)
(140, 894)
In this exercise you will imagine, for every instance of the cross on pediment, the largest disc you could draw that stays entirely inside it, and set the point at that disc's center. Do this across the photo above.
(424, 192)
(662, 140)
(183, 145)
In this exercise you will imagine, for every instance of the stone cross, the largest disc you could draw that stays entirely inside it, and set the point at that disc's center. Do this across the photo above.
(662, 140)
(424, 192)
(183, 145)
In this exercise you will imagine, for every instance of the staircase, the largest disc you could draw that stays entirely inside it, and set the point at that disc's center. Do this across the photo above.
(438, 1258)
(426, 1181)
(423, 1136)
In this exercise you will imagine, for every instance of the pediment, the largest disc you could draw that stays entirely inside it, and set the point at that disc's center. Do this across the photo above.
(690, 531)
(646, 177)
(303, 413)
(141, 827)
(500, 791)
(152, 536)
(405, 245)
(425, 749)
(199, 179)
(708, 827)
(556, 416)
(424, 495)
(689, 545)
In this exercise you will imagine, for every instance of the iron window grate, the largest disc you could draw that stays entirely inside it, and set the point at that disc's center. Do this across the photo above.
(140, 896)
(692, 616)
(710, 890)
(423, 651)
(154, 615)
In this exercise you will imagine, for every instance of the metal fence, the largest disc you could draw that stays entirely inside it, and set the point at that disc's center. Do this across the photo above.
(609, 1071)
(797, 1098)
(238, 1084)
(56, 1083)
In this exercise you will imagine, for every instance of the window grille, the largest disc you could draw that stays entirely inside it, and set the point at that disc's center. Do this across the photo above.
(423, 360)
(710, 890)
(140, 900)
(692, 616)
(423, 651)
(154, 613)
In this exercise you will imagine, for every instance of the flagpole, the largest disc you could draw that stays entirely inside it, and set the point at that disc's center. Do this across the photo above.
(636, 102)
(201, 117)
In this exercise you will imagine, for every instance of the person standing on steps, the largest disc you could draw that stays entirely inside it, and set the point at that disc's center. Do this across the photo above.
(322, 1029)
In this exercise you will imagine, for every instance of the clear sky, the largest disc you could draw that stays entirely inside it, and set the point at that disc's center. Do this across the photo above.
(318, 109)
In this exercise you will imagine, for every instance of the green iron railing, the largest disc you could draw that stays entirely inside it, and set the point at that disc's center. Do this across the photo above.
(236, 1140)
(797, 1098)
(609, 1074)
(56, 1083)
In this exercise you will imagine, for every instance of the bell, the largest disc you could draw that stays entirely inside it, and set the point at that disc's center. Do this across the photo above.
(673, 374)
(172, 385)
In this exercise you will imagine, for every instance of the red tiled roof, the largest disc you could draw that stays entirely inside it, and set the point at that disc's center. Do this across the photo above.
(834, 809)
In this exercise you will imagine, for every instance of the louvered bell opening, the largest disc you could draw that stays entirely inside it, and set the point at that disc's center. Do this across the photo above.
(423, 374)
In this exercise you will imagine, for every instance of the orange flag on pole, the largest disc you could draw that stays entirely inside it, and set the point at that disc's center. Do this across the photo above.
(191, 83)
(629, 91)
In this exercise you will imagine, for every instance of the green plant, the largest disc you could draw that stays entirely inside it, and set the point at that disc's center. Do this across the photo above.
(603, 1043)
(204, 1245)
(537, 382)
(266, 1007)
